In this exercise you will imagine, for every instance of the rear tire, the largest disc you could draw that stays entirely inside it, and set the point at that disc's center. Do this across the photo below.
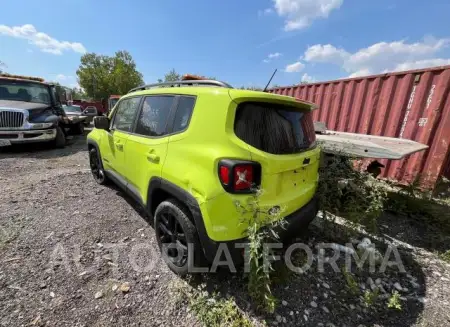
(60, 139)
(174, 232)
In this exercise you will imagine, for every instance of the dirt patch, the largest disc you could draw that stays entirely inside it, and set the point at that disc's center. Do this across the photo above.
(73, 253)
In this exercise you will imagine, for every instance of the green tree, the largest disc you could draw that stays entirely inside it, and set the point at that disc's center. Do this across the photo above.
(171, 76)
(100, 75)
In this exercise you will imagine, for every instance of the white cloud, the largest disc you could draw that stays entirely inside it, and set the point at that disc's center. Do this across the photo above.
(271, 56)
(265, 12)
(62, 77)
(326, 53)
(301, 13)
(307, 79)
(274, 55)
(380, 57)
(43, 41)
(423, 63)
(66, 80)
(295, 67)
(361, 72)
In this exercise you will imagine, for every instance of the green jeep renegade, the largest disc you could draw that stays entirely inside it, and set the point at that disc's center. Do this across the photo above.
(189, 150)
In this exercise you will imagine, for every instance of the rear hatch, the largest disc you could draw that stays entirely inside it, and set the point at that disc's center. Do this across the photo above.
(279, 133)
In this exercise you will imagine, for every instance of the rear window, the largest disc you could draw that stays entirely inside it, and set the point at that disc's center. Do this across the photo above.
(274, 128)
(183, 114)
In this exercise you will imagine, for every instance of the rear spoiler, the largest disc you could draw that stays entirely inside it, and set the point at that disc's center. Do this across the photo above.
(363, 145)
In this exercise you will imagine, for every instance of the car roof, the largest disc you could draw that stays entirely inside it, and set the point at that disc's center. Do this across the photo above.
(248, 95)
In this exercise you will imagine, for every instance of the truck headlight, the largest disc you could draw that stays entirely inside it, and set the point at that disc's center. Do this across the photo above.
(40, 125)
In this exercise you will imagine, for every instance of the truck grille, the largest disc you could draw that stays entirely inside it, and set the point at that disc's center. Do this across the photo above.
(11, 119)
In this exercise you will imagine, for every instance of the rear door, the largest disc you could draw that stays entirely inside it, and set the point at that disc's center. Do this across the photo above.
(282, 139)
(113, 147)
(147, 146)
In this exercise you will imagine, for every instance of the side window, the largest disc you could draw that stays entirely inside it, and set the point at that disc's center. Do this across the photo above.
(154, 115)
(124, 117)
(184, 112)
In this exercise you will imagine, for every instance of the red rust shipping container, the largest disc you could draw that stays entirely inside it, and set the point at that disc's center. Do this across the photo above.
(412, 104)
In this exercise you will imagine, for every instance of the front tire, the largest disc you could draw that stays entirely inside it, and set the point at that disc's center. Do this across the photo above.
(60, 139)
(78, 129)
(177, 237)
(96, 167)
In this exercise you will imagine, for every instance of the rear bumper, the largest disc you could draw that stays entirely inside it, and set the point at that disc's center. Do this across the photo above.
(296, 222)
(28, 136)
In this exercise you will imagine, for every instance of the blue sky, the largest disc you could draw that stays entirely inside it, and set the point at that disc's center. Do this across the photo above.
(240, 42)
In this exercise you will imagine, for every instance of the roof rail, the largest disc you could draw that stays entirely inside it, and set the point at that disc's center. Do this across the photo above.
(204, 82)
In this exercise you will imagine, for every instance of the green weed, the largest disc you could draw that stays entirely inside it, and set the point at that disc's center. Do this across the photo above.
(261, 228)
(351, 282)
(394, 301)
(211, 310)
(371, 297)
(350, 193)
(445, 256)
(218, 312)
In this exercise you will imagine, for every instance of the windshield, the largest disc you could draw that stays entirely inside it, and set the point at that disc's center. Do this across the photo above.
(72, 108)
(24, 91)
(112, 103)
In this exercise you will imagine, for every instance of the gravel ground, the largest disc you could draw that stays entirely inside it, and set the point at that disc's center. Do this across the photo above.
(73, 253)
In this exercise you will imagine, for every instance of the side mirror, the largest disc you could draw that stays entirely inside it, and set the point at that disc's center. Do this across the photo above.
(101, 122)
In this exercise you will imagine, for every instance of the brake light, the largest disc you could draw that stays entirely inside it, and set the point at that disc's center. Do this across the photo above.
(237, 176)
(225, 175)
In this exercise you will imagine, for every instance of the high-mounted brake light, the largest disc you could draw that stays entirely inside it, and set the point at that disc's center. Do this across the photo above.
(237, 176)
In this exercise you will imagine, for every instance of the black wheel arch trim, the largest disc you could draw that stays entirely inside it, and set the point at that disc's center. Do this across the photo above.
(157, 183)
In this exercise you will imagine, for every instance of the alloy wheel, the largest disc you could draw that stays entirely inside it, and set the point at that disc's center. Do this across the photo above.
(173, 239)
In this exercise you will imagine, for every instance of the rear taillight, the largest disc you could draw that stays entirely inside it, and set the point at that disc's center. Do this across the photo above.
(225, 175)
(238, 176)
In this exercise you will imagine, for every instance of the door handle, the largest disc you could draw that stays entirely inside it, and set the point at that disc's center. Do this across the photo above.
(153, 157)
(119, 145)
